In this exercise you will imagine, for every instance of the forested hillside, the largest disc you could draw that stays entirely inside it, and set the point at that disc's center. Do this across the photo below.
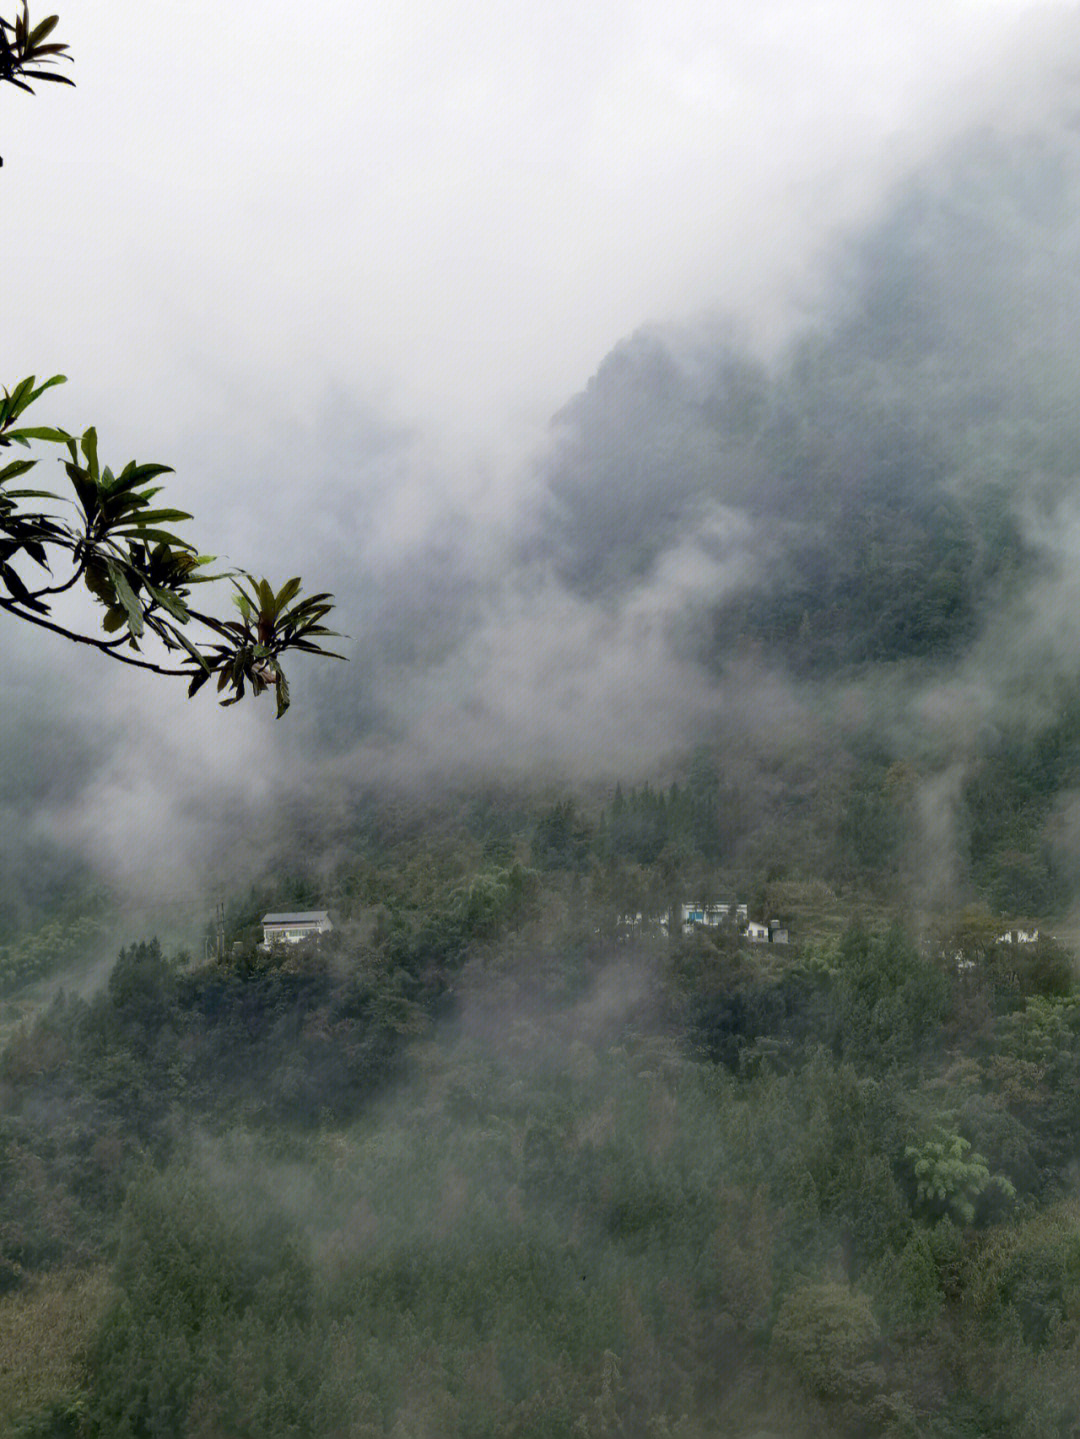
(514, 1154)
(490, 1163)
(878, 476)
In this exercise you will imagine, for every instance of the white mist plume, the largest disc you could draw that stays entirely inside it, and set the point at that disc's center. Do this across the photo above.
(457, 242)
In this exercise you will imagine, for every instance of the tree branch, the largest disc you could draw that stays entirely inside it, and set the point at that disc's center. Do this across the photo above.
(59, 589)
(105, 646)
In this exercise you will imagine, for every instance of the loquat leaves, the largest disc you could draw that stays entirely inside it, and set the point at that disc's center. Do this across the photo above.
(117, 546)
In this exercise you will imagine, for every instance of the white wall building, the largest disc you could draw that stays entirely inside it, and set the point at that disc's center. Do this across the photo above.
(694, 914)
(292, 926)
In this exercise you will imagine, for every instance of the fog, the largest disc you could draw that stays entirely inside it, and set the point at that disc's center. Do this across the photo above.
(451, 215)
(653, 387)
(342, 283)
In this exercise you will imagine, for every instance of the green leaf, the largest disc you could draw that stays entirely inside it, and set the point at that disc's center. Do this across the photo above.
(16, 467)
(133, 475)
(45, 27)
(126, 596)
(309, 649)
(287, 591)
(114, 620)
(144, 517)
(97, 582)
(237, 681)
(194, 579)
(21, 395)
(84, 489)
(282, 692)
(48, 384)
(19, 592)
(89, 449)
(40, 432)
(161, 537)
(196, 654)
(170, 602)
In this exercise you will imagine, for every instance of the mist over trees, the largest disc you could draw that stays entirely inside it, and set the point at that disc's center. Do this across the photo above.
(512, 1151)
(884, 472)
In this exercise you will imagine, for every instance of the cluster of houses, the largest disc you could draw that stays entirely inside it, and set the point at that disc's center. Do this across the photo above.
(714, 916)
(1011, 936)
(295, 926)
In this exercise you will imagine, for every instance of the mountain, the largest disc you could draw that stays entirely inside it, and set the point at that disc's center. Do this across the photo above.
(883, 472)
(888, 509)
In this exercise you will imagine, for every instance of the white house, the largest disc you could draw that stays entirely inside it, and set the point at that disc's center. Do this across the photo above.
(713, 916)
(709, 915)
(292, 926)
(1019, 936)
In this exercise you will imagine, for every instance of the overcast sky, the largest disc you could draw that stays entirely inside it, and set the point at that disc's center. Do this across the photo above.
(434, 219)
(449, 211)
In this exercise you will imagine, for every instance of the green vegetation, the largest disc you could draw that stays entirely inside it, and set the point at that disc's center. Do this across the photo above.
(23, 45)
(505, 1157)
(880, 487)
(41, 953)
(485, 1164)
(141, 574)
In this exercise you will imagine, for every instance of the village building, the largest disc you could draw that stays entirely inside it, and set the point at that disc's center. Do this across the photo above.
(707, 914)
(292, 926)
(694, 915)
